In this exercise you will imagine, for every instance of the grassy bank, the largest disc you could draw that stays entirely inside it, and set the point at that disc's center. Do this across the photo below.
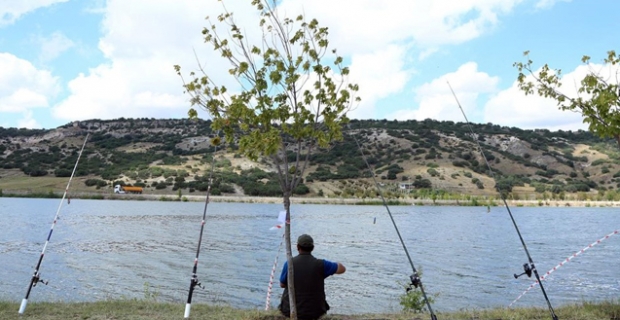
(142, 309)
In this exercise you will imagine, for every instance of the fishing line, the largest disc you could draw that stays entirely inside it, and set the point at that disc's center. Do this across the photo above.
(194, 280)
(529, 267)
(416, 281)
(36, 276)
(273, 272)
(565, 261)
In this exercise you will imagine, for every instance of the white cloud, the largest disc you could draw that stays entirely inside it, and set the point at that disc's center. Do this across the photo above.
(139, 80)
(383, 39)
(28, 121)
(22, 99)
(111, 91)
(22, 86)
(364, 25)
(435, 100)
(511, 107)
(379, 75)
(95, 6)
(11, 10)
(546, 4)
(53, 46)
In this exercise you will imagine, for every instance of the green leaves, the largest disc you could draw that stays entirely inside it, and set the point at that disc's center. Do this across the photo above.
(598, 100)
(192, 113)
(288, 96)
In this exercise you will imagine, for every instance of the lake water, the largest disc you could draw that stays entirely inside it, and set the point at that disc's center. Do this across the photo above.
(108, 249)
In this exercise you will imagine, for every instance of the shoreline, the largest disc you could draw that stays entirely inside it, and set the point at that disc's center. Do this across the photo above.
(472, 202)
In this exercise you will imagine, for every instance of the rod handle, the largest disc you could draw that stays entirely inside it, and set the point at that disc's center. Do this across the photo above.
(22, 307)
(188, 306)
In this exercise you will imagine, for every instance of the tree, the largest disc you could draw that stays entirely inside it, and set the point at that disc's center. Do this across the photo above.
(598, 99)
(290, 100)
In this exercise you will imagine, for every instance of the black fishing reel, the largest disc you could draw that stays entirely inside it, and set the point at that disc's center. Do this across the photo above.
(195, 283)
(415, 282)
(36, 279)
(526, 270)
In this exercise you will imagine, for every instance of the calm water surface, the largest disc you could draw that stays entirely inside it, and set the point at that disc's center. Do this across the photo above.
(108, 249)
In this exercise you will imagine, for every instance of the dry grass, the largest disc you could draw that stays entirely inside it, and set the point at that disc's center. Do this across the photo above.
(15, 180)
(585, 150)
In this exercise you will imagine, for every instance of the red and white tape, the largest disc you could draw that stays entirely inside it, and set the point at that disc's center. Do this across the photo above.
(273, 272)
(565, 261)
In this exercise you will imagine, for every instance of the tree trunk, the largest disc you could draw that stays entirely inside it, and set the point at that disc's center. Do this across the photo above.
(289, 257)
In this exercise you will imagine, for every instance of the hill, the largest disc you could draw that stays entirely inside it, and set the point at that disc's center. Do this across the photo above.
(429, 158)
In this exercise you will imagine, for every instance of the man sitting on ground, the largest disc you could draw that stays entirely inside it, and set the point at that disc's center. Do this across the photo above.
(309, 273)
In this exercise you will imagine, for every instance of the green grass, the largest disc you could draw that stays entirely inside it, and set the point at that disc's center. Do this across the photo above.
(37, 184)
(147, 309)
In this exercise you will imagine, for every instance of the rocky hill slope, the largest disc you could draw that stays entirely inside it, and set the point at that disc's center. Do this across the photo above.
(415, 158)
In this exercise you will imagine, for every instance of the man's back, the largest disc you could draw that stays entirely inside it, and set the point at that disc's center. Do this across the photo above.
(309, 288)
(309, 278)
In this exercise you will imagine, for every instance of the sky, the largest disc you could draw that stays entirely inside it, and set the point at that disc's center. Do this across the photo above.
(68, 60)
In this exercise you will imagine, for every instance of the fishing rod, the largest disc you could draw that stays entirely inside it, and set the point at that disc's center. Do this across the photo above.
(194, 280)
(529, 267)
(36, 276)
(416, 281)
(565, 261)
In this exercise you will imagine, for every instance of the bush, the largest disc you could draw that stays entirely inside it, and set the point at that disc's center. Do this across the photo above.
(226, 188)
(432, 172)
(422, 184)
(391, 175)
(35, 172)
(413, 300)
(62, 173)
(301, 189)
(460, 163)
(160, 185)
(95, 182)
(504, 185)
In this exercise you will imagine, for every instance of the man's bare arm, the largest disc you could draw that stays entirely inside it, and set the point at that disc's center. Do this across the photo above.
(341, 268)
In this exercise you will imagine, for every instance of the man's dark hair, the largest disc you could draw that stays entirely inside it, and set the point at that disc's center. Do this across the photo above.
(306, 248)
(305, 243)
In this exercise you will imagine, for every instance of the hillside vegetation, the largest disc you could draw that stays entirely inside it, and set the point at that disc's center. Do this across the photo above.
(415, 159)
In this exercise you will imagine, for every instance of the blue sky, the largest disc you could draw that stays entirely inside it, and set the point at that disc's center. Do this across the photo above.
(67, 60)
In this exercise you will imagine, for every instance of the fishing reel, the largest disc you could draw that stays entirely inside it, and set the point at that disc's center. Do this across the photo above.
(415, 282)
(36, 279)
(526, 270)
(195, 283)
